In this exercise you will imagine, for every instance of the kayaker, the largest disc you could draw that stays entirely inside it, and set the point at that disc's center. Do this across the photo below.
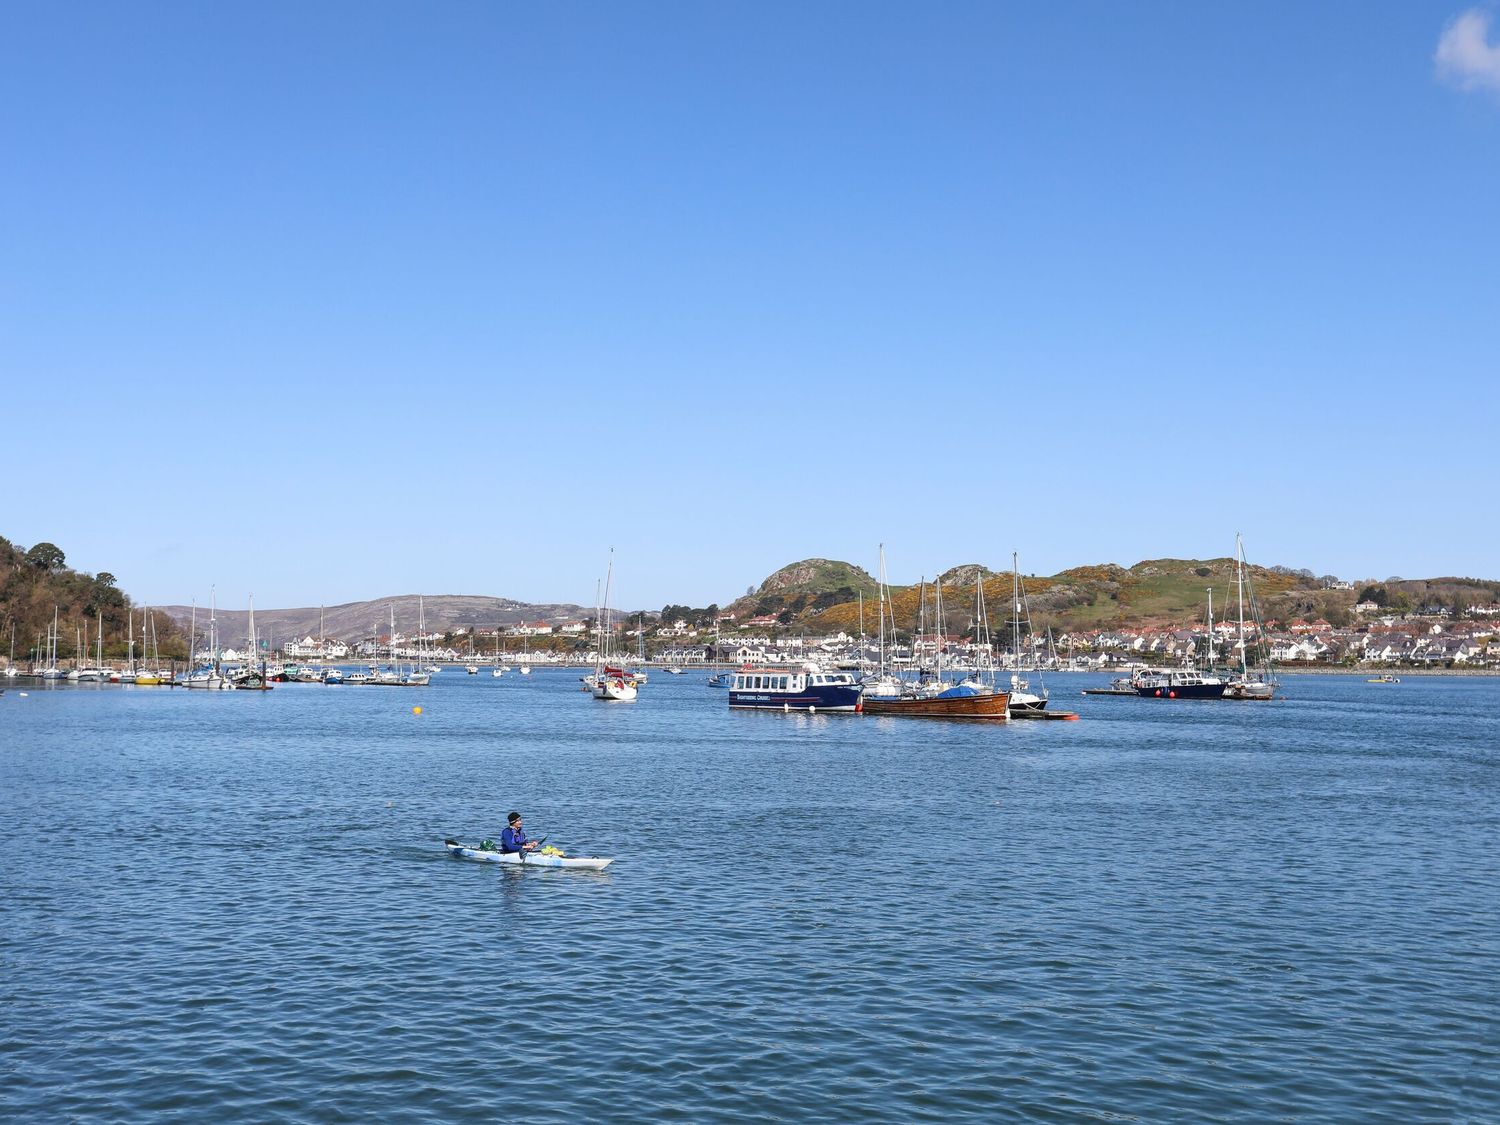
(513, 836)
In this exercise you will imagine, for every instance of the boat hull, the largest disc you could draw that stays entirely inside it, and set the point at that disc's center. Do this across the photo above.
(1250, 691)
(573, 862)
(991, 707)
(1182, 691)
(839, 698)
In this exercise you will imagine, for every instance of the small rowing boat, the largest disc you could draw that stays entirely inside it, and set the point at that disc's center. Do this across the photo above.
(528, 859)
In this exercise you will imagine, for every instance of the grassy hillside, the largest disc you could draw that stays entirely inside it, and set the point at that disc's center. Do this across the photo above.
(1155, 592)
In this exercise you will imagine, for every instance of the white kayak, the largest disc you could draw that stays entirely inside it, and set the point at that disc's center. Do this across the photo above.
(530, 859)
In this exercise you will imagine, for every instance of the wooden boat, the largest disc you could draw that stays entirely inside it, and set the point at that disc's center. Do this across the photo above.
(992, 706)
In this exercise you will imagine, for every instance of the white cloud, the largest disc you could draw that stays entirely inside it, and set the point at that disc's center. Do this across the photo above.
(1465, 56)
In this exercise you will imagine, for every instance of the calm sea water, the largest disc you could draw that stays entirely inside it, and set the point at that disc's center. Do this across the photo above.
(235, 907)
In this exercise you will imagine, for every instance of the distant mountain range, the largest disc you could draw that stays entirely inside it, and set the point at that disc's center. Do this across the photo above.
(353, 620)
(824, 595)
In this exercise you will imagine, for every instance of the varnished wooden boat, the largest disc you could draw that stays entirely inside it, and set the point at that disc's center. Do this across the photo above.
(992, 707)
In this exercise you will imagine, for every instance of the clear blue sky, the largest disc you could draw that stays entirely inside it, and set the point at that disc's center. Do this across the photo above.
(331, 301)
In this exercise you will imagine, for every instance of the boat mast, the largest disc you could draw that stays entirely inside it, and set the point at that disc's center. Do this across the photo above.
(609, 578)
(1015, 599)
(941, 628)
(193, 639)
(883, 597)
(1209, 664)
(1239, 570)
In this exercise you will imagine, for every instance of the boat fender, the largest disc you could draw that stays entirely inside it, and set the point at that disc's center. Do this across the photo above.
(1171, 695)
(812, 709)
(1158, 693)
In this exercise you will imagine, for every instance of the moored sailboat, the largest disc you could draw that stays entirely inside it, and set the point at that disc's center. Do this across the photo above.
(1258, 683)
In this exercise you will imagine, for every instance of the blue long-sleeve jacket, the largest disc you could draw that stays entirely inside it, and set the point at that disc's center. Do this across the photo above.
(513, 839)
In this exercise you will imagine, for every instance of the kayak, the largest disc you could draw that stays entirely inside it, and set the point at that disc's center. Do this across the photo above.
(582, 862)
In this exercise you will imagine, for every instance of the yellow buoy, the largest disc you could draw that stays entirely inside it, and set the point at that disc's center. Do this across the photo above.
(416, 710)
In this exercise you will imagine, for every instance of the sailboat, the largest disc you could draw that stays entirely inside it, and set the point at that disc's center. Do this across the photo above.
(932, 697)
(1259, 684)
(97, 673)
(151, 674)
(251, 678)
(210, 676)
(610, 684)
(884, 685)
(417, 677)
(721, 678)
(52, 671)
(1021, 698)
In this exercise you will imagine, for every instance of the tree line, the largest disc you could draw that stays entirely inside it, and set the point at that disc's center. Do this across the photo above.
(35, 582)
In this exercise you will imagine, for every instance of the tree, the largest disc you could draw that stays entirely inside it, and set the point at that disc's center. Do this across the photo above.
(46, 556)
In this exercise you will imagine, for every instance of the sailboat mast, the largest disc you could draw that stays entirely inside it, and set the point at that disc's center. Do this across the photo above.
(1015, 600)
(1210, 645)
(1239, 570)
(941, 626)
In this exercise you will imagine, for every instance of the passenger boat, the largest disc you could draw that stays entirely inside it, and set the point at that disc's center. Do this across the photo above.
(1178, 683)
(784, 689)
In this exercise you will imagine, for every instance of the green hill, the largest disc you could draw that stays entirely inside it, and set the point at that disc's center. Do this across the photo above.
(1159, 592)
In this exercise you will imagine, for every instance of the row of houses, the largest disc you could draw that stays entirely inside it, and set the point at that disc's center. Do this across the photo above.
(1421, 643)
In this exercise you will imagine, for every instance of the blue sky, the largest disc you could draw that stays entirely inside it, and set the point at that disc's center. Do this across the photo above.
(326, 302)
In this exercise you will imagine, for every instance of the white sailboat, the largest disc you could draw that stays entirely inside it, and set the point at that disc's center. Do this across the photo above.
(610, 684)
(210, 676)
(1259, 684)
(1021, 697)
(52, 671)
(884, 685)
(418, 676)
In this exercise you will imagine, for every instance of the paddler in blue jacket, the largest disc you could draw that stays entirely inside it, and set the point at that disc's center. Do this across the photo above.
(513, 837)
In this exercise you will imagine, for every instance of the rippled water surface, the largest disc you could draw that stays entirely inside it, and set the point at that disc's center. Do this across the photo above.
(235, 907)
